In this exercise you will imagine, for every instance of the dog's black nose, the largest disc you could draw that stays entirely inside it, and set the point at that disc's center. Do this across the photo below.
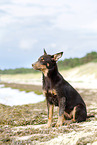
(32, 65)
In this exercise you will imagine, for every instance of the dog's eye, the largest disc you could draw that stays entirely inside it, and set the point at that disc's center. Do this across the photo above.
(42, 59)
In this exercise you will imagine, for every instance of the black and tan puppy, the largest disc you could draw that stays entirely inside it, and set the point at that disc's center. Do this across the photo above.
(59, 92)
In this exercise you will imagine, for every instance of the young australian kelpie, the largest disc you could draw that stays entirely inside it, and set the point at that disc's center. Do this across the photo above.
(59, 92)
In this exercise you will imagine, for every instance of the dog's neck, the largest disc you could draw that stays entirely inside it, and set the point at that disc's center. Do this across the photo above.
(52, 75)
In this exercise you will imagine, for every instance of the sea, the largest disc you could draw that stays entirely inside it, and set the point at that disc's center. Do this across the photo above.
(11, 97)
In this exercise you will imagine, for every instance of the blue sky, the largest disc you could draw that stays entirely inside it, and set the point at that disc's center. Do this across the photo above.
(28, 26)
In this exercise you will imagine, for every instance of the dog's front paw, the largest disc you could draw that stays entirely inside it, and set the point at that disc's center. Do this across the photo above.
(58, 124)
(48, 125)
(60, 121)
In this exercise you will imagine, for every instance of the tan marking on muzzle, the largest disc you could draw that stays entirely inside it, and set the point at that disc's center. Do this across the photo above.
(39, 66)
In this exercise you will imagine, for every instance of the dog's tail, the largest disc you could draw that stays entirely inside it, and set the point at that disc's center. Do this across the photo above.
(90, 115)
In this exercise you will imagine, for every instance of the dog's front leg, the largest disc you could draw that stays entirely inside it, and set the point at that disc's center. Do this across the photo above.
(50, 114)
(61, 118)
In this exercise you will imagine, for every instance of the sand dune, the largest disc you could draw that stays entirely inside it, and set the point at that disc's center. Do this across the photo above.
(84, 76)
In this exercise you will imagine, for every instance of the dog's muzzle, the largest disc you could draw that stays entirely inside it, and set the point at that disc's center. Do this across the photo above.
(33, 65)
(36, 66)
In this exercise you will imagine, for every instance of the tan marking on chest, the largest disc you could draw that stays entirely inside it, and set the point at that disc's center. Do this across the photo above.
(53, 91)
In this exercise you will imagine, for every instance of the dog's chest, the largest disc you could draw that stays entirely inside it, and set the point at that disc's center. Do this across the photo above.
(50, 92)
(48, 88)
(51, 96)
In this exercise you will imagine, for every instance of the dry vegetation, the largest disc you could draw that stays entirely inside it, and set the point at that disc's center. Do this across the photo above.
(26, 125)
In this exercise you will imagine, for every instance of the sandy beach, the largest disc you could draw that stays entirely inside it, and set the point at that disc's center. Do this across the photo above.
(25, 124)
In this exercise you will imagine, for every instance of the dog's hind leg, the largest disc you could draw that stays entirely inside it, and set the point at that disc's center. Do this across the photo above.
(73, 114)
(78, 114)
(67, 116)
(70, 117)
(81, 113)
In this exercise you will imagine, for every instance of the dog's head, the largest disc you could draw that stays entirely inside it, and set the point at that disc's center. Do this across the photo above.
(46, 62)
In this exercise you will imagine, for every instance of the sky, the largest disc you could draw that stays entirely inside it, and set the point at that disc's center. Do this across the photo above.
(28, 26)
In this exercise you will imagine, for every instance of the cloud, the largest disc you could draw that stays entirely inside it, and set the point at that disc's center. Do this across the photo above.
(5, 2)
(31, 25)
(92, 26)
(27, 44)
(53, 45)
(24, 8)
(6, 20)
(61, 14)
(76, 16)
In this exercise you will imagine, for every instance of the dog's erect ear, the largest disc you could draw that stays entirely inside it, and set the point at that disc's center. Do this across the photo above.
(45, 52)
(56, 56)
